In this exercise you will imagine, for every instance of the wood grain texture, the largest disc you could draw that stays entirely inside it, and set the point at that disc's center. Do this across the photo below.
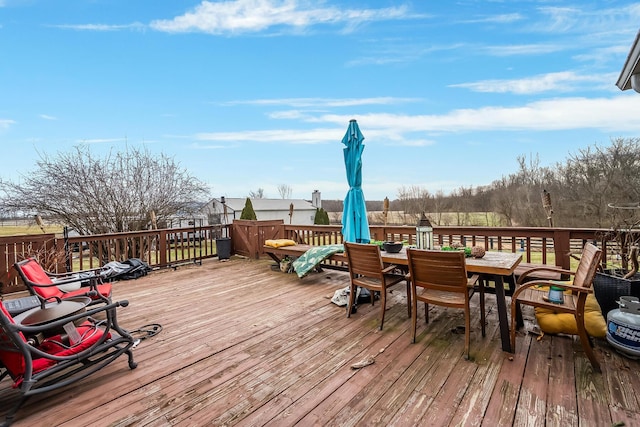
(246, 345)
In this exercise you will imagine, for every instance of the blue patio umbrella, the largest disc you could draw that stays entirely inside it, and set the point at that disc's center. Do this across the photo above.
(355, 226)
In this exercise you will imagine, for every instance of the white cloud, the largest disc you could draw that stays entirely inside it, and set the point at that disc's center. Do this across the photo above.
(588, 21)
(313, 136)
(615, 114)
(246, 16)
(100, 27)
(496, 19)
(566, 81)
(47, 117)
(523, 49)
(101, 140)
(5, 123)
(325, 102)
(607, 114)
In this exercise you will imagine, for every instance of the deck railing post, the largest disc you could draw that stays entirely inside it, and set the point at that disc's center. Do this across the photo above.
(163, 248)
(562, 248)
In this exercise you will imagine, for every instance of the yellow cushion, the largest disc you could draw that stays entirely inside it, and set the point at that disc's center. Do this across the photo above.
(278, 243)
(564, 323)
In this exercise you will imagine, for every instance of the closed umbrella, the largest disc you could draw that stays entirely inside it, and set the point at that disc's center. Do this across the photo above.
(355, 226)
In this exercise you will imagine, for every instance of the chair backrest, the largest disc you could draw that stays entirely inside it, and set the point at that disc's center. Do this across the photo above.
(438, 270)
(589, 261)
(364, 259)
(10, 354)
(33, 274)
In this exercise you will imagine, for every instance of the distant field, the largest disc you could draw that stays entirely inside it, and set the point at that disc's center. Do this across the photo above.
(19, 230)
(469, 219)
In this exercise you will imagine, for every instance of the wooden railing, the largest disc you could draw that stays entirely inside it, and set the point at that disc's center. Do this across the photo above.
(159, 248)
(172, 247)
(538, 245)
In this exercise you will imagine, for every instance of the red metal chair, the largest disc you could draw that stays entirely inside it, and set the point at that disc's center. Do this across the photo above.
(48, 285)
(39, 358)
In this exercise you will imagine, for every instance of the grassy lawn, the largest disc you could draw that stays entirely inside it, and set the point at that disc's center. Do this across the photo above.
(20, 230)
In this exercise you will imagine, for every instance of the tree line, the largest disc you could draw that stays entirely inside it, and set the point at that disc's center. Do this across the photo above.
(597, 186)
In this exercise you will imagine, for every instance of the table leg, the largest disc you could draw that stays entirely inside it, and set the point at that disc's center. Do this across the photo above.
(274, 257)
(501, 302)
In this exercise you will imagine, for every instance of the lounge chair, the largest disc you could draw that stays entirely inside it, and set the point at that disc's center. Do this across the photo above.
(48, 286)
(39, 358)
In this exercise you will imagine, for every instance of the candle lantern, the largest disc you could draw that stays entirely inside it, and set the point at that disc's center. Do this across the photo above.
(424, 233)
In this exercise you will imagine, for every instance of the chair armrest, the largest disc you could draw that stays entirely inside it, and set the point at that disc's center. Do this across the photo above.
(533, 270)
(388, 269)
(564, 286)
(471, 281)
(69, 273)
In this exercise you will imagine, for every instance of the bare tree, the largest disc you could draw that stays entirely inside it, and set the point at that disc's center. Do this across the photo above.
(502, 201)
(597, 176)
(413, 200)
(285, 191)
(258, 194)
(110, 194)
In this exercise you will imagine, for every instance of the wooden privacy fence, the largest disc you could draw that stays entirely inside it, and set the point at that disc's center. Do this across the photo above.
(160, 248)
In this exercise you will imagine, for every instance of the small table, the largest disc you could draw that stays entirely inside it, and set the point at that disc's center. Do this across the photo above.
(52, 311)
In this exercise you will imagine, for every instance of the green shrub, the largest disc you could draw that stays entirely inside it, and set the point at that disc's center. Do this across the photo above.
(322, 217)
(247, 211)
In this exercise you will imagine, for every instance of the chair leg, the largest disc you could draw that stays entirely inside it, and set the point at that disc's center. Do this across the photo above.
(586, 343)
(383, 303)
(467, 331)
(426, 313)
(409, 299)
(352, 298)
(482, 310)
(12, 413)
(414, 317)
(514, 323)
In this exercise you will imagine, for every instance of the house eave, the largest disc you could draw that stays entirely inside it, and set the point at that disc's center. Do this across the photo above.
(631, 66)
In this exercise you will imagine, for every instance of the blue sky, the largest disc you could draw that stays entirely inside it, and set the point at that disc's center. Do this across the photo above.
(250, 94)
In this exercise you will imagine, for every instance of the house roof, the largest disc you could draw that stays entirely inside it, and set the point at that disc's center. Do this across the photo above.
(237, 204)
(631, 66)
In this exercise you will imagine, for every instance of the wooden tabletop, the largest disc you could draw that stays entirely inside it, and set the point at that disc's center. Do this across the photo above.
(498, 263)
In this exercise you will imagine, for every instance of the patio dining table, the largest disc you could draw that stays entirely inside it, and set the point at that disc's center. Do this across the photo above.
(493, 266)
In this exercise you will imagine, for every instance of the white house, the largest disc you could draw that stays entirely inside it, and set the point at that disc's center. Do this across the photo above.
(291, 211)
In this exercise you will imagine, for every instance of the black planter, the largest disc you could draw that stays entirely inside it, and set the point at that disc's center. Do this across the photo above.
(609, 286)
(223, 247)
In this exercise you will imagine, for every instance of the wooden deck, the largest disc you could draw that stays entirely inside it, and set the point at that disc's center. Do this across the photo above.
(245, 345)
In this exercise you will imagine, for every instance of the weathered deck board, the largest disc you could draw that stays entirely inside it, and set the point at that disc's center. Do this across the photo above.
(562, 409)
(244, 345)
